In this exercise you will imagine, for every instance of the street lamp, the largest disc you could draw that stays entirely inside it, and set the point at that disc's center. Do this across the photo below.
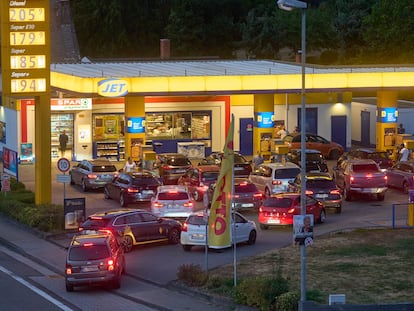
(289, 5)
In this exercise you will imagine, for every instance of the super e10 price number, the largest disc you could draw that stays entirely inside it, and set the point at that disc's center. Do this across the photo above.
(27, 38)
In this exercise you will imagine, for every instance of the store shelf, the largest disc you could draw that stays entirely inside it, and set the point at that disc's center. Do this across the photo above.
(112, 150)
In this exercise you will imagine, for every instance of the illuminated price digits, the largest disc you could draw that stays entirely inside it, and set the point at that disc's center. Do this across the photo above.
(27, 38)
(27, 15)
(28, 62)
(28, 85)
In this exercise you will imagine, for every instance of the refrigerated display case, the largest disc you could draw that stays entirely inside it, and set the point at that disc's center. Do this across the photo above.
(59, 123)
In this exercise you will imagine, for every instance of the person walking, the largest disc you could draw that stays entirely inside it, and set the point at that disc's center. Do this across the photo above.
(130, 166)
(63, 142)
(404, 153)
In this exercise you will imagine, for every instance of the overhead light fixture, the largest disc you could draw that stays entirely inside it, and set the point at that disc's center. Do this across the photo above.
(289, 5)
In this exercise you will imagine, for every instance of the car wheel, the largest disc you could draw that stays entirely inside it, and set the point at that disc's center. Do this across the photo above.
(187, 248)
(347, 194)
(69, 287)
(252, 237)
(72, 182)
(84, 187)
(264, 227)
(122, 201)
(197, 196)
(334, 154)
(338, 210)
(322, 216)
(405, 187)
(127, 243)
(267, 193)
(174, 236)
(380, 196)
(106, 194)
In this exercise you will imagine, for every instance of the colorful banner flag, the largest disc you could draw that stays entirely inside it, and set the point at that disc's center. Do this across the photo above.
(219, 229)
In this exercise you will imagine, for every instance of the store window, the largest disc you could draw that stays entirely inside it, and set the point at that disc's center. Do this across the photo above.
(178, 125)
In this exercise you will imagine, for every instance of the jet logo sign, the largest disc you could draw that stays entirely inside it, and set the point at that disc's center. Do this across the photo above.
(113, 88)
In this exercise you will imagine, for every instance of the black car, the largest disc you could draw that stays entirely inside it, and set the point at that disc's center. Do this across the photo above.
(134, 227)
(246, 196)
(95, 258)
(381, 157)
(133, 187)
(315, 161)
(171, 166)
(242, 167)
(322, 187)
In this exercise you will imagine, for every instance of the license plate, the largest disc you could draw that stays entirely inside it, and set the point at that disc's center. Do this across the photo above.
(321, 196)
(180, 171)
(147, 192)
(273, 221)
(90, 269)
(247, 205)
(238, 168)
(197, 236)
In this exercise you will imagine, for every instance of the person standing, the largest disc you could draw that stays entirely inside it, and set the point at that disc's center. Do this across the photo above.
(282, 132)
(401, 129)
(130, 166)
(404, 153)
(257, 159)
(63, 142)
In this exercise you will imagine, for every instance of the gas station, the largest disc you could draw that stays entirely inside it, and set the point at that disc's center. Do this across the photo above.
(264, 91)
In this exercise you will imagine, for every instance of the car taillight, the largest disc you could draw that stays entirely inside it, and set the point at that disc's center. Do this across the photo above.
(111, 265)
(258, 195)
(92, 176)
(188, 204)
(291, 211)
(184, 227)
(276, 182)
(166, 167)
(157, 204)
(236, 196)
(385, 178)
(351, 179)
(309, 192)
(132, 190)
(260, 209)
(68, 269)
(336, 191)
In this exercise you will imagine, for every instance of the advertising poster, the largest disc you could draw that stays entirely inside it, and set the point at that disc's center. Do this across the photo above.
(303, 229)
(26, 153)
(10, 162)
(3, 132)
(74, 211)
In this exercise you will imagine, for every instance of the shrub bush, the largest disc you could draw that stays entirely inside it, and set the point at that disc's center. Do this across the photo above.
(287, 301)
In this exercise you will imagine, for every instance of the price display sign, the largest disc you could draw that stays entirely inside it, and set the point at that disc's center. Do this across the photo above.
(25, 48)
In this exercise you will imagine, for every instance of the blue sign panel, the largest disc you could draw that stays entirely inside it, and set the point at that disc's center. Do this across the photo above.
(136, 125)
(264, 119)
(387, 115)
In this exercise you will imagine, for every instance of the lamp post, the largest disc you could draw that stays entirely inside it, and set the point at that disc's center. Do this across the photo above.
(289, 5)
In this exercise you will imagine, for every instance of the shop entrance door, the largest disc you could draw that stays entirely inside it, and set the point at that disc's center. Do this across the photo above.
(246, 136)
(338, 130)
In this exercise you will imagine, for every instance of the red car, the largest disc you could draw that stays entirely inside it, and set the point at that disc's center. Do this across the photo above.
(198, 179)
(280, 208)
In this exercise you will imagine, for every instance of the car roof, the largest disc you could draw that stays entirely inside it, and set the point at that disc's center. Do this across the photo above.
(306, 151)
(369, 150)
(286, 195)
(114, 213)
(360, 161)
(95, 238)
(172, 154)
(280, 165)
(166, 188)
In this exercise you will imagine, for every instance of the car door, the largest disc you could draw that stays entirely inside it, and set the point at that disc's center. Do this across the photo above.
(119, 185)
(241, 228)
(312, 207)
(394, 175)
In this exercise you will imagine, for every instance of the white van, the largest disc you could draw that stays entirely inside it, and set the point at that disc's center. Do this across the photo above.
(272, 178)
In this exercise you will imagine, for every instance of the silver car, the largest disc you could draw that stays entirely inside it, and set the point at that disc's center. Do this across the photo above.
(173, 201)
(92, 174)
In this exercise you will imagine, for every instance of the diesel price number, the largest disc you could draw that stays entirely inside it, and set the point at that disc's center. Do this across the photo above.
(26, 14)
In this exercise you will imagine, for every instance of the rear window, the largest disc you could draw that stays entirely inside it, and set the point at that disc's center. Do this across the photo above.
(83, 253)
(103, 168)
(95, 223)
(286, 173)
(239, 159)
(364, 168)
(209, 176)
(173, 196)
(178, 161)
(314, 157)
(144, 180)
(197, 220)
(320, 183)
(377, 155)
(243, 188)
(278, 202)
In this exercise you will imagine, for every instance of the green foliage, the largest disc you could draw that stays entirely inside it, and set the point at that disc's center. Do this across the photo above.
(19, 204)
(192, 275)
(287, 301)
(260, 292)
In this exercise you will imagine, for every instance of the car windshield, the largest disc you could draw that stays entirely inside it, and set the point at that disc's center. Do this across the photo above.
(245, 187)
(209, 176)
(92, 252)
(377, 155)
(320, 183)
(364, 168)
(197, 220)
(313, 157)
(103, 168)
(144, 180)
(178, 161)
(173, 195)
(278, 202)
(287, 173)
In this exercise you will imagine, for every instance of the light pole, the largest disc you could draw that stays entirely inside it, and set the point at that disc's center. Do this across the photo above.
(289, 5)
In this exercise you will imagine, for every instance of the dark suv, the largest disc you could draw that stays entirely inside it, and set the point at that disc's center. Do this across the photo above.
(315, 161)
(92, 174)
(172, 166)
(95, 258)
(134, 227)
(242, 167)
(381, 157)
